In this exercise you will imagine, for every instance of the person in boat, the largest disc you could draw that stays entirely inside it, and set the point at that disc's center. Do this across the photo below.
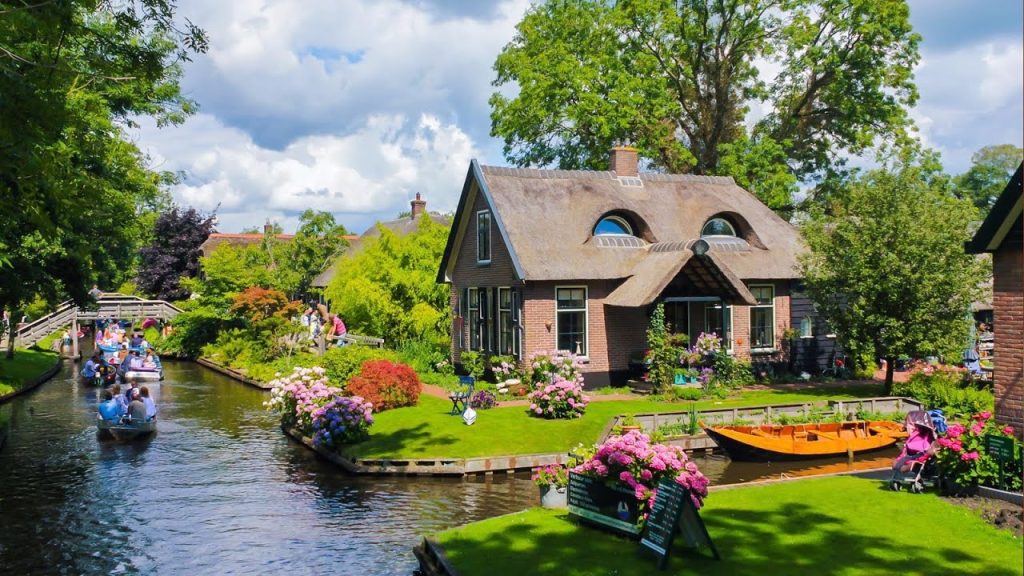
(92, 366)
(129, 386)
(136, 340)
(108, 409)
(122, 402)
(108, 373)
(135, 361)
(150, 360)
(136, 408)
(148, 401)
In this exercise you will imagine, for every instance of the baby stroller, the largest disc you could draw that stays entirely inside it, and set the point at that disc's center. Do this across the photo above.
(915, 467)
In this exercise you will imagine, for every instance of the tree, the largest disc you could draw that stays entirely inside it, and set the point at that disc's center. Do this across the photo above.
(886, 267)
(75, 191)
(388, 289)
(316, 241)
(173, 253)
(991, 168)
(676, 79)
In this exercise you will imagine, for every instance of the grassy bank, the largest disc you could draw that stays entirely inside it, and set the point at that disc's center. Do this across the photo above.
(428, 430)
(25, 367)
(841, 525)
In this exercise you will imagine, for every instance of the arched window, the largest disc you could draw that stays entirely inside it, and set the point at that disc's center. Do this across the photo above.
(718, 227)
(610, 225)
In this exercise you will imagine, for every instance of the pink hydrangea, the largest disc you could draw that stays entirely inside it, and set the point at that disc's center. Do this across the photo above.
(1008, 430)
(968, 456)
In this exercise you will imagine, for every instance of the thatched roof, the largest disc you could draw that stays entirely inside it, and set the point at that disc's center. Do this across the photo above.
(548, 216)
(246, 239)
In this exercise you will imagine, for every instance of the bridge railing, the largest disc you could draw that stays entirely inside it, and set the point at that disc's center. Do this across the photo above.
(117, 306)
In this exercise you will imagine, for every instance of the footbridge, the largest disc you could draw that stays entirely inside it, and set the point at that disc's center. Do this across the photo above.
(108, 305)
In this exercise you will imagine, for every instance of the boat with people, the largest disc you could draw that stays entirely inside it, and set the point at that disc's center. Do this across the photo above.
(804, 441)
(125, 430)
(141, 366)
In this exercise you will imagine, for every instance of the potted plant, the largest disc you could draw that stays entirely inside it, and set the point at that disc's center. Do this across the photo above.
(552, 481)
(628, 423)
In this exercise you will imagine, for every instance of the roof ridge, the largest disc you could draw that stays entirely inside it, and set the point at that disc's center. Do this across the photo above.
(545, 173)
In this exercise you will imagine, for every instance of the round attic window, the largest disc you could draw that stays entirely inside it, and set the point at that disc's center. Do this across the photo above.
(613, 225)
(718, 227)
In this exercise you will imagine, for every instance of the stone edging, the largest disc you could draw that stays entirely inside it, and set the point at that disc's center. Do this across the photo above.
(33, 384)
(432, 466)
(232, 373)
(433, 560)
(1012, 497)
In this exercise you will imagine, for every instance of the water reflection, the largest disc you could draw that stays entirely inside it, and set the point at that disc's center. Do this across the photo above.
(219, 489)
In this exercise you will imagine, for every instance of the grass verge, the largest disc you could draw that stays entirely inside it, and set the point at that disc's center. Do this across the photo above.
(428, 430)
(26, 366)
(841, 525)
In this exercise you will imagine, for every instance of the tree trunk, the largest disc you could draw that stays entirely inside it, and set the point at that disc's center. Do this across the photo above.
(11, 331)
(890, 367)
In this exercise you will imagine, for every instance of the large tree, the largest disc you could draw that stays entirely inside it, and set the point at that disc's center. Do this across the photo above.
(73, 187)
(174, 252)
(991, 168)
(677, 80)
(317, 240)
(887, 267)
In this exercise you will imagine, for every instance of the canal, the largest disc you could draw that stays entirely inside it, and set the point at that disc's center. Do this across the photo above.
(219, 489)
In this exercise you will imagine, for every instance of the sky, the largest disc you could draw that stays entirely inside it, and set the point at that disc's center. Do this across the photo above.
(354, 106)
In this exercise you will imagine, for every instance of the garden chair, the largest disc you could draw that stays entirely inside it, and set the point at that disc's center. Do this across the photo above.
(460, 398)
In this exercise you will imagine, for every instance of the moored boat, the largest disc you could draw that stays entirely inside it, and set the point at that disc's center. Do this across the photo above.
(800, 441)
(126, 430)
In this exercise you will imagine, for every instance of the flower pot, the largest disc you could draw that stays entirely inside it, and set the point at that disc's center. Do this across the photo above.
(553, 497)
(681, 379)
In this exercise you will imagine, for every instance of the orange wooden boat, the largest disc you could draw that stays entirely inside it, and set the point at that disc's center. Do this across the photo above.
(798, 441)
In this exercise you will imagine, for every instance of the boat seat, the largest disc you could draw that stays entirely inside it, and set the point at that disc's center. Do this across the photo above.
(759, 432)
(827, 435)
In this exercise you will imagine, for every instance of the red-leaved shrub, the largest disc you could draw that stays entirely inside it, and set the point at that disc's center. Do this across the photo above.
(386, 384)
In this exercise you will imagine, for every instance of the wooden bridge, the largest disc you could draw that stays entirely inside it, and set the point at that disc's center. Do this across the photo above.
(110, 305)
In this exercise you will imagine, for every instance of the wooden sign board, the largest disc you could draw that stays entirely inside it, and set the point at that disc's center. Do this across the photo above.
(1000, 447)
(673, 512)
(614, 508)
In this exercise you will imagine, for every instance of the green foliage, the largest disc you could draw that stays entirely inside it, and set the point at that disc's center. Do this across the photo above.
(474, 363)
(193, 329)
(946, 390)
(317, 239)
(387, 288)
(230, 269)
(342, 363)
(424, 355)
(991, 168)
(964, 459)
(887, 268)
(676, 79)
(730, 372)
(663, 358)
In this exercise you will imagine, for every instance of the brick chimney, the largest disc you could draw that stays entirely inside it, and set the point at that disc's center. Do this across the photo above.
(418, 207)
(268, 228)
(623, 161)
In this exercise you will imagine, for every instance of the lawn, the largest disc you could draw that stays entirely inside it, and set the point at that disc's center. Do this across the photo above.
(25, 366)
(840, 525)
(429, 431)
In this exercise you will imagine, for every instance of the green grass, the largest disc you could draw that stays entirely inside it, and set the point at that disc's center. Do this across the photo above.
(429, 431)
(24, 367)
(841, 526)
(47, 342)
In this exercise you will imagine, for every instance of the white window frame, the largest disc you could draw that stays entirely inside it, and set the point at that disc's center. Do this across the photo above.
(771, 324)
(501, 324)
(480, 259)
(472, 318)
(807, 322)
(620, 221)
(585, 349)
(725, 331)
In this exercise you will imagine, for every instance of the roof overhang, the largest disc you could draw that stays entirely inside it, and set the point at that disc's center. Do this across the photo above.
(704, 271)
(1004, 214)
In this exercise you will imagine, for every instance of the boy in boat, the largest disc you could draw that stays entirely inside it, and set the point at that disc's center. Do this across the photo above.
(92, 366)
(108, 409)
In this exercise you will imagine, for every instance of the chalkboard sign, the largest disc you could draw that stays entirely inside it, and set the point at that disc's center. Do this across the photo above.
(1000, 447)
(614, 508)
(673, 512)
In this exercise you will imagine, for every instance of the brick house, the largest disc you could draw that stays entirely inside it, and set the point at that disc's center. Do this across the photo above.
(1002, 235)
(543, 260)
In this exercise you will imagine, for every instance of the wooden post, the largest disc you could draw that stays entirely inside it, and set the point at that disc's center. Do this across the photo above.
(74, 335)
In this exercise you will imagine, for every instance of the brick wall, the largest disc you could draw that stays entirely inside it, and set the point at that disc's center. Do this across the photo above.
(1008, 304)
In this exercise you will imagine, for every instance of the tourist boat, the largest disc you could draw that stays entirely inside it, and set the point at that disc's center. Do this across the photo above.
(153, 373)
(125, 431)
(799, 441)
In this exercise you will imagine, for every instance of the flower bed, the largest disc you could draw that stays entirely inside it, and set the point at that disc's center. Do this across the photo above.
(306, 402)
(562, 399)
(964, 460)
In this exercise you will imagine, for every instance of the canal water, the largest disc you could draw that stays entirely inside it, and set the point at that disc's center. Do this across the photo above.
(221, 490)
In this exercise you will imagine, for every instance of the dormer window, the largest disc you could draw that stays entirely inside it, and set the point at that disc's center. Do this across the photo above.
(613, 225)
(718, 227)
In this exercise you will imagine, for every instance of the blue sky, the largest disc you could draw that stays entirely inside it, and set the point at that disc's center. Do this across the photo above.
(353, 106)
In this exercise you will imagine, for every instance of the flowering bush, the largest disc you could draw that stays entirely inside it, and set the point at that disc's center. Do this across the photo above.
(544, 366)
(632, 460)
(707, 344)
(504, 368)
(386, 384)
(482, 399)
(342, 420)
(297, 396)
(551, 475)
(962, 456)
(563, 399)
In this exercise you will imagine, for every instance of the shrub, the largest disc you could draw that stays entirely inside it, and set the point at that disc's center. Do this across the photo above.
(555, 475)
(483, 400)
(563, 399)
(424, 355)
(473, 364)
(299, 395)
(342, 420)
(504, 368)
(386, 384)
(964, 460)
(344, 362)
(730, 372)
(945, 389)
(543, 367)
(634, 461)
(192, 330)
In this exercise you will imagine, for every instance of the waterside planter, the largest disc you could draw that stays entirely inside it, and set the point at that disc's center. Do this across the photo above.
(232, 373)
(431, 466)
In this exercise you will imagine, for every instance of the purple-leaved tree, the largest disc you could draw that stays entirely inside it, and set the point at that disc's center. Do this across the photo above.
(174, 252)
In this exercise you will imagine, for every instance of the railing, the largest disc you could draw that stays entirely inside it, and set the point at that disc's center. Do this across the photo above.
(109, 306)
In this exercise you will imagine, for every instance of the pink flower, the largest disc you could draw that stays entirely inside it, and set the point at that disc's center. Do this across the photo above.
(968, 456)
(977, 427)
(985, 415)
(955, 430)
(1008, 430)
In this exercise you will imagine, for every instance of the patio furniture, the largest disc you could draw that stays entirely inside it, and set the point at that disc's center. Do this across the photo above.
(460, 398)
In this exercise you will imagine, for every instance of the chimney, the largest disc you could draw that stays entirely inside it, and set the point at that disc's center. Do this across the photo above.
(268, 228)
(417, 207)
(623, 161)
